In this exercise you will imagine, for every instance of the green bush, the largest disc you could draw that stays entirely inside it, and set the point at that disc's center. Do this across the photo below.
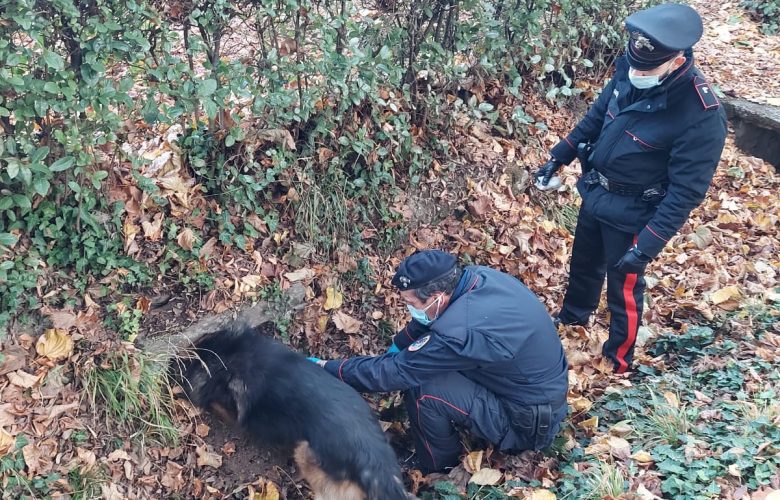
(767, 12)
(347, 106)
(61, 104)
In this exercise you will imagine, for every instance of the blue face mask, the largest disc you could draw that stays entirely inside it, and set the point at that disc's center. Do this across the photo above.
(421, 316)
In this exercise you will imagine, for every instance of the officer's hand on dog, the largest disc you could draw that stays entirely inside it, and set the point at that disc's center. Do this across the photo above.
(320, 362)
(545, 174)
(634, 261)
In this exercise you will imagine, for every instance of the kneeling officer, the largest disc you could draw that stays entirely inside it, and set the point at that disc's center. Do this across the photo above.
(480, 352)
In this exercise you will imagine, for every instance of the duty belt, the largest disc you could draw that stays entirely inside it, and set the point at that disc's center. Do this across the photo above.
(648, 193)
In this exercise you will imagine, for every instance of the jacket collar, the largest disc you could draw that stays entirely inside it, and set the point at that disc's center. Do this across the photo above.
(466, 283)
(657, 97)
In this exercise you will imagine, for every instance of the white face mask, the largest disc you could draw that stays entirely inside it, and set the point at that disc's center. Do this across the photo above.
(648, 82)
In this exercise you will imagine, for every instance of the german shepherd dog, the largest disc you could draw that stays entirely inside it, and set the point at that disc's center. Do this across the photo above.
(286, 401)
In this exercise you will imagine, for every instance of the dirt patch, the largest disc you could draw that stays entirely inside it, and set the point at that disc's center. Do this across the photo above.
(245, 462)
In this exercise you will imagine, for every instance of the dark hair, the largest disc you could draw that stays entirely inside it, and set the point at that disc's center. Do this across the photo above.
(446, 284)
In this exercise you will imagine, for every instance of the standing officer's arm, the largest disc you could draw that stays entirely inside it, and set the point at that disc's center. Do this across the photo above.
(400, 371)
(693, 159)
(588, 129)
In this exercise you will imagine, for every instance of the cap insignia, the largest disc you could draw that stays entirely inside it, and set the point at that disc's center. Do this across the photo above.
(404, 280)
(641, 41)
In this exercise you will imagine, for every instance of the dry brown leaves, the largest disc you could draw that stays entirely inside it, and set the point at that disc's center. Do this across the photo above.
(735, 55)
(725, 256)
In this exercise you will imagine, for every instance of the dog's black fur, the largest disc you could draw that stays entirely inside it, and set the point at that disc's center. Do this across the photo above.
(284, 400)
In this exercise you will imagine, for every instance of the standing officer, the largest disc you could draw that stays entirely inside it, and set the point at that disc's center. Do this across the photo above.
(481, 352)
(649, 148)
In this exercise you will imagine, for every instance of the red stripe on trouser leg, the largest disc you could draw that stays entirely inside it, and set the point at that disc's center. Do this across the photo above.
(419, 420)
(632, 318)
(633, 321)
(428, 396)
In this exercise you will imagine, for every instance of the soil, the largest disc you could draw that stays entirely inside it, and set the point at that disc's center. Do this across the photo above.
(249, 462)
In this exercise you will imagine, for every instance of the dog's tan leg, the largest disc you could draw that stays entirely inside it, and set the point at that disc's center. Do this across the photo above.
(324, 487)
(223, 413)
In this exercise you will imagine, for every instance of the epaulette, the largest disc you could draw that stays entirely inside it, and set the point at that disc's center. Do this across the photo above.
(708, 98)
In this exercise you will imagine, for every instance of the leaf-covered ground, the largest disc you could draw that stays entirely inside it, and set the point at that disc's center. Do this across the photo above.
(699, 419)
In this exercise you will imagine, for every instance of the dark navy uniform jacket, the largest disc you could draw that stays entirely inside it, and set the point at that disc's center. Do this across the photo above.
(671, 135)
(495, 331)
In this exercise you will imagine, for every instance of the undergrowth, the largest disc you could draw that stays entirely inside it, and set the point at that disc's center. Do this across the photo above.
(133, 391)
(710, 422)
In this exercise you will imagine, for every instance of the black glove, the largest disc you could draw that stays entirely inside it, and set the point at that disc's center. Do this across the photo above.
(546, 171)
(633, 262)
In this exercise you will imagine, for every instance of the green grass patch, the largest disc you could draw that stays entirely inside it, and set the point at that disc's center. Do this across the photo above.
(86, 484)
(134, 392)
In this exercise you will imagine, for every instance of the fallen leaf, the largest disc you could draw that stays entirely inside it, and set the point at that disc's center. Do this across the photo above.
(322, 323)
(672, 399)
(287, 45)
(54, 344)
(599, 445)
(621, 429)
(724, 294)
(186, 239)
(173, 478)
(578, 358)
(642, 457)
(644, 494)
(486, 477)
(267, 490)
(253, 281)
(333, 299)
(257, 223)
(153, 229)
(7, 442)
(202, 430)
(7, 418)
(279, 136)
(14, 357)
(346, 323)
(22, 379)
(548, 226)
(87, 458)
(111, 492)
(590, 423)
(174, 183)
(207, 250)
(130, 231)
(39, 455)
(542, 494)
(481, 206)
(300, 275)
(619, 447)
(118, 455)
(473, 461)
(702, 237)
(63, 319)
(208, 458)
(580, 404)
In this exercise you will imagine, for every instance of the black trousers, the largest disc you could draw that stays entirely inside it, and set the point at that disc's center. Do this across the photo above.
(597, 248)
(451, 401)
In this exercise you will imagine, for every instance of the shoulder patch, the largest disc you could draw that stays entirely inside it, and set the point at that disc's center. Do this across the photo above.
(708, 98)
(419, 343)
